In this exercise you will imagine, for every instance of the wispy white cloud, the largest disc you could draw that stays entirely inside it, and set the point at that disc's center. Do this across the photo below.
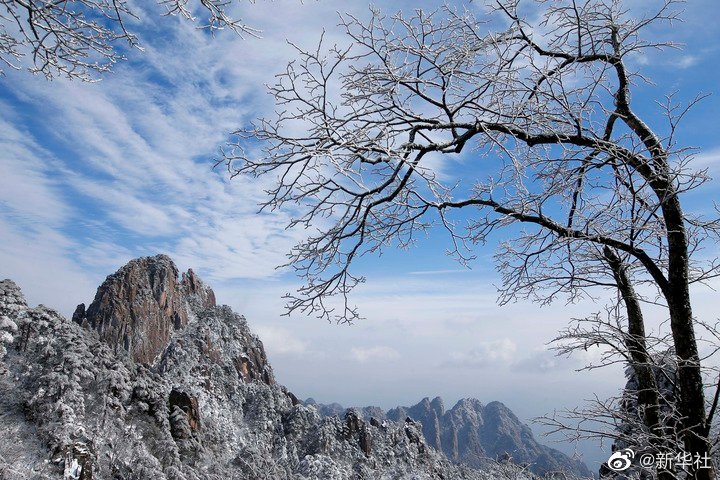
(708, 159)
(485, 354)
(34, 251)
(28, 192)
(139, 149)
(40, 261)
(280, 341)
(539, 361)
(687, 61)
(374, 354)
(441, 272)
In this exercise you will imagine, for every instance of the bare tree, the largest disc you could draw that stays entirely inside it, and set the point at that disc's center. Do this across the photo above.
(589, 188)
(644, 417)
(80, 38)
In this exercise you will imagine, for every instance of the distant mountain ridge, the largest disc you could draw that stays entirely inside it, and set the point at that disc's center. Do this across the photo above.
(471, 433)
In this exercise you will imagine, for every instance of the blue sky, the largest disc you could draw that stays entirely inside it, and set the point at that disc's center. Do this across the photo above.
(93, 175)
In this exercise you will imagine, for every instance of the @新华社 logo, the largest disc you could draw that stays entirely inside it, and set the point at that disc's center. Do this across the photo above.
(620, 460)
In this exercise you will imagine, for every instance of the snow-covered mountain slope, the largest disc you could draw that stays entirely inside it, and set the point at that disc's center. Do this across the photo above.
(154, 381)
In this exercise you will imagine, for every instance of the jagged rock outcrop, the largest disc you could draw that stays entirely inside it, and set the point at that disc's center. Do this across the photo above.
(326, 410)
(11, 302)
(429, 414)
(473, 434)
(140, 306)
(355, 428)
(77, 406)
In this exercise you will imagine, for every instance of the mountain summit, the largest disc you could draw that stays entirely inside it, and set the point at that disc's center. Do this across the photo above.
(139, 307)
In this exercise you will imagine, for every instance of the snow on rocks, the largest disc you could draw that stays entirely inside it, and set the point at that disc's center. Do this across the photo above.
(81, 406)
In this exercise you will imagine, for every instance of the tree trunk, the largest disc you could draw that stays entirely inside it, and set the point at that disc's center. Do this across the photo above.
(647, 395)
(689, 375)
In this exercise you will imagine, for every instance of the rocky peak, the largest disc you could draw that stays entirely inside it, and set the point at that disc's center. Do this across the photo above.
(429, 416)
(466, 405)
(139, 307)
(196, 290)
(499, 414)
(12, 302)
(11, 298)
(438, 405)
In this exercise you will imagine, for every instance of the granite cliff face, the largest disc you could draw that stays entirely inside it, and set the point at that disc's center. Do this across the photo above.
(474, 434)
(139, 307)
(155, 381)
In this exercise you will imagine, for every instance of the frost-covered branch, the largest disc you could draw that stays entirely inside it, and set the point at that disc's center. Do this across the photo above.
(83, 38)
